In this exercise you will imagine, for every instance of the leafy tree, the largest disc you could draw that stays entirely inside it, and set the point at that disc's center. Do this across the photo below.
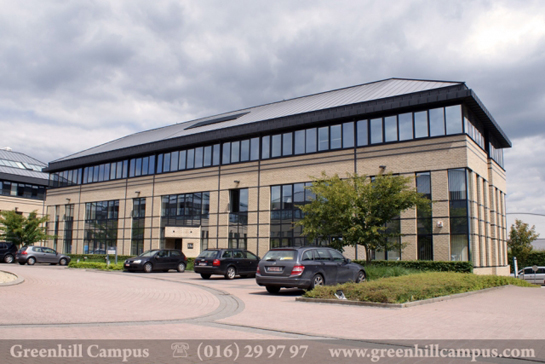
(357, 210)
(22, 230)
(520, 240)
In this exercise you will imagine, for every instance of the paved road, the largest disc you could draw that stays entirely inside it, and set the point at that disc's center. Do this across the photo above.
(60, 303)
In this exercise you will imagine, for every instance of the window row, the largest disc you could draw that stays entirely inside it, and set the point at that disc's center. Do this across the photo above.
(25, 190)
(102, 210)
(435, 122)
(188, 209)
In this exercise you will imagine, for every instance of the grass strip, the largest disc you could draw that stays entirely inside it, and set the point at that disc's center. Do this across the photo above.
(415, 287)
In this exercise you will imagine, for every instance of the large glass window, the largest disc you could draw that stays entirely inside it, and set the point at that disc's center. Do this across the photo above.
(453, 116)
(226, 158)
(311, 136)
(245, 150)
(348, 135)
(235, 152)
(265, 147)
(376, 130)
(421, 124)
(459, 228)
(138, 225)
(100, 227)
(188, 209)
(362, 136)
(254, 149)
(424, 219)
(276, 146)
(390, 129)
(336, 137)
(437, 122)
(198, 157)
(406, 126)
(299, 142)
(287, 144)
(323, 138)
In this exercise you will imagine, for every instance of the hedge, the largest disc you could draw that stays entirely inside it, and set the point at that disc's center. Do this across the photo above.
(423, 265)
(101, 258)
(536, 257)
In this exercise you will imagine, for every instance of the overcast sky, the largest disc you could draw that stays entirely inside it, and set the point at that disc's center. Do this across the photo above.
(75, 74)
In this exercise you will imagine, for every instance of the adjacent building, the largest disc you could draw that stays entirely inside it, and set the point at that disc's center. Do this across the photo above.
(22, 183)
(236, 179)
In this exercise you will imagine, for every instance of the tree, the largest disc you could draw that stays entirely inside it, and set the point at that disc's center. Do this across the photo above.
(22, 230)
(356, 211)
(520, 240)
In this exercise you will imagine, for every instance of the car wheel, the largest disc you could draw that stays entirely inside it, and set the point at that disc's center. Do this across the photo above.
(273, 289)
(181, 267)
(231, 272)
(317, 280)
(63, 261)
(148, 267)
(8, 259)
(205, 276)
(31, 261)
(361, 277)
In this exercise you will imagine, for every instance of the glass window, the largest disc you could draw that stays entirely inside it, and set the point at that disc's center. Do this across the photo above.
(405, 126)
(348, 135)
(132, 170)
(457, 184)
(275, 198)
(106, 172)
(198, 157)
(287, 144)
(125, 167)
(216, 155)
(174, 161)
(95, 173)
(335, 140)
(299, 142)
(182, 160)
(226, 159)
(166, 162)
(454, 119)
(362, 133)
(376, 130)
(423, 183)
(310, 140)
(207, 156)
(235, 152)
(276, 147)
(287, 197)
(138, 169)
(390, 128)
(437, 122)
(145, 166)
(323, 138)
(190, 158)
(265, 147)
(119, 170)
(245, 150)
(421, 124)
(112, 171)
(254, 149)
(299, 192)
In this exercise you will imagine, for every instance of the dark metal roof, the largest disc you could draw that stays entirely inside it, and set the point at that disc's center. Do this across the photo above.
(19, 167)
(371, 98)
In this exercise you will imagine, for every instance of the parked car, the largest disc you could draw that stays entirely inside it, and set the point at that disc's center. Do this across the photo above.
(528, 275)
(306, 267)
(7, 252)
(226, 262)
(40, 254)
(157, 260)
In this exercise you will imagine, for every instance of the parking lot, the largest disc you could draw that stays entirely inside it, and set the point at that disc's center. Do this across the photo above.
(62, 303)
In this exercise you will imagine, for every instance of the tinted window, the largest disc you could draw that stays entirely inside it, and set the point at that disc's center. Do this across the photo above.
(437, 122)
(362, 133)
(405, 126)
(307, 255)
(323, 138)
(421, 124)
(376, 131)
(310, 140)
(348, 135)
(322, 254)
(336, 141)
(337, 257)
(280, 255)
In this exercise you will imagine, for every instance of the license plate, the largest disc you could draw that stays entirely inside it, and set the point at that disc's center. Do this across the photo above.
(275, 269)
(202, 263)
(127, 264)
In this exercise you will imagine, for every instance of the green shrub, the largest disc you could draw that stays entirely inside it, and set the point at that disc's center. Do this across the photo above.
(536, 257)
(415, 287)
(96, 265)
(100, 258)
(377, 272)
(422, 265)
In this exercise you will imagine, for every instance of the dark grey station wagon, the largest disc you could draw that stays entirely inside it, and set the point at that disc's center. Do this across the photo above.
(306, 267)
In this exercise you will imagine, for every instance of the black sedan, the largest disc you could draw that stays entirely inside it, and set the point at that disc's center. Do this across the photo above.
(157, 260)
(226, 262)
(306, 267)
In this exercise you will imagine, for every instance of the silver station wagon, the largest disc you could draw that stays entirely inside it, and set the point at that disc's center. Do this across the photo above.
(306, 267)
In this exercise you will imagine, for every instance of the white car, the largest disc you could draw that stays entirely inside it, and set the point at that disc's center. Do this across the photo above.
(529, 275)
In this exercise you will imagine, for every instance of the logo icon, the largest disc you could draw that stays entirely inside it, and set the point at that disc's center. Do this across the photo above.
(179, 350)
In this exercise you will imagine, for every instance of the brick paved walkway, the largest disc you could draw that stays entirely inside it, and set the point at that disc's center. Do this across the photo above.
(56, 302)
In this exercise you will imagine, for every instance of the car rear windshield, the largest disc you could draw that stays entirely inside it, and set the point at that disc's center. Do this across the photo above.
(280, 255)
(208, 254)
